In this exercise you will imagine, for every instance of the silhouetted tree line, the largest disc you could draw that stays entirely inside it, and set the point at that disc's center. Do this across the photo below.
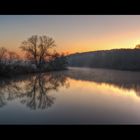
(123, 59)
(39, 57)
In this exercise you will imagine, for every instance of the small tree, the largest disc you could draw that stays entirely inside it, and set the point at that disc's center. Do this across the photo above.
(3, 53)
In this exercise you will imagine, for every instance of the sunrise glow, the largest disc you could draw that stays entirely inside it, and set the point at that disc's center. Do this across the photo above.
(72, 33)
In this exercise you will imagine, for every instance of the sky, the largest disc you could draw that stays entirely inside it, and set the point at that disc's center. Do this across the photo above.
(72, 33)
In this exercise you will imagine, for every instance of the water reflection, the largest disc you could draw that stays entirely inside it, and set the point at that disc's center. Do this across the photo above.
(33, 91)
(125, 80)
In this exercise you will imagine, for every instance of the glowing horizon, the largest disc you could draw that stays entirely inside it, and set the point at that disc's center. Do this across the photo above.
(72, 33)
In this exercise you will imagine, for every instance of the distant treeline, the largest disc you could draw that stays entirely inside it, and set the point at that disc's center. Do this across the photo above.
(122, 59)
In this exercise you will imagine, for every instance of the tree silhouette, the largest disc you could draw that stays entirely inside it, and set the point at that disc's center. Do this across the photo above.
(3, 52)
(37, 48)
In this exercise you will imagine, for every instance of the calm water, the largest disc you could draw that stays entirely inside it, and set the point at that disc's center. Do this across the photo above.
(76, 96)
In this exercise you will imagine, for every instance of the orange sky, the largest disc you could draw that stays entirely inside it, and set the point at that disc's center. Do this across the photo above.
(79, 33)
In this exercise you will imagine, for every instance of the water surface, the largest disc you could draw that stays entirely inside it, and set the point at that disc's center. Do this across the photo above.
(75, 96)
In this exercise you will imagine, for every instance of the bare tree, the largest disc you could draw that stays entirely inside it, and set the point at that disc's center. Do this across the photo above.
(37, 48)
(45, 44)
(30, 47)
(3, 52)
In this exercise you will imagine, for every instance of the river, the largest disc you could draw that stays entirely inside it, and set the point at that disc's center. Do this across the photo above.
(74, 96)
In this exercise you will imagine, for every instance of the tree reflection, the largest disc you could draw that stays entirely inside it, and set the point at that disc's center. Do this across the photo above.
(33, 91)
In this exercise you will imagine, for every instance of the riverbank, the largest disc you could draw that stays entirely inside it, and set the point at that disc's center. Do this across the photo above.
(8, 71)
